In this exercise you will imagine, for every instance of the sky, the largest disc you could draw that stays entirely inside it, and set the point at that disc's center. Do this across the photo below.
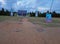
(31, 5)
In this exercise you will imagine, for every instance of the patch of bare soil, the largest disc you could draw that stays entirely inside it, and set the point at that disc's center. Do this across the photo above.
(24, 32)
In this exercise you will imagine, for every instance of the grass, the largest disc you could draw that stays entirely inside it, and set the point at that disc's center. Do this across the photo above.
(12, 18)
(35, 20)
(41, 21)
(3, 18)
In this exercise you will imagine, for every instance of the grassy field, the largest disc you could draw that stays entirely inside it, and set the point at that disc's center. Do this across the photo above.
(35, 20)
(41, 21)
(12, 18)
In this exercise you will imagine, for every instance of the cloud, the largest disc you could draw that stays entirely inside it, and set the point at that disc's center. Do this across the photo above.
(56, 5)
(43, 8)
(30, 5)
(3, 3)
(45, 5)
(25, 4)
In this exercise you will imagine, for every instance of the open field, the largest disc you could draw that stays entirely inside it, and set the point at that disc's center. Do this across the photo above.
(41, 21)
(29, 30)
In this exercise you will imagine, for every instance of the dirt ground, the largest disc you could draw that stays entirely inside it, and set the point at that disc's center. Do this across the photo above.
(25, 32)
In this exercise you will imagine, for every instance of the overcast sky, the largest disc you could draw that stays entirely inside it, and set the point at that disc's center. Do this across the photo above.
(30, 5)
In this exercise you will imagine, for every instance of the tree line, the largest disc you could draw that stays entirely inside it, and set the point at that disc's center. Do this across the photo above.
(32, 14)
(54, 14)
(4, 13)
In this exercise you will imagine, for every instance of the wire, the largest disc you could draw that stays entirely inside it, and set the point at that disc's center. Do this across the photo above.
(51, 5)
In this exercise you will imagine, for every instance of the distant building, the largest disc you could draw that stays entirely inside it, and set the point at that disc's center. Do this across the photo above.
(22, 12)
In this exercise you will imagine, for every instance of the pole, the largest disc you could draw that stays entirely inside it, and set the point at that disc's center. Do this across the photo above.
(51, 5)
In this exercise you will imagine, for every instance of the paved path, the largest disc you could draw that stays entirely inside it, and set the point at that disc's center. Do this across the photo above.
(24, 32)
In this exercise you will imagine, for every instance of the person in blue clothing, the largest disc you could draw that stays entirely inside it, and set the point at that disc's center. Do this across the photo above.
(48, 17)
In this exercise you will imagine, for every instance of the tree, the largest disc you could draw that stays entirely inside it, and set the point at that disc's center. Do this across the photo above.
(2, 11)
(7, 13)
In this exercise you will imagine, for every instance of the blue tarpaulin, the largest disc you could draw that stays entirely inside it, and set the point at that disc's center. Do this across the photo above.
(22, 12)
